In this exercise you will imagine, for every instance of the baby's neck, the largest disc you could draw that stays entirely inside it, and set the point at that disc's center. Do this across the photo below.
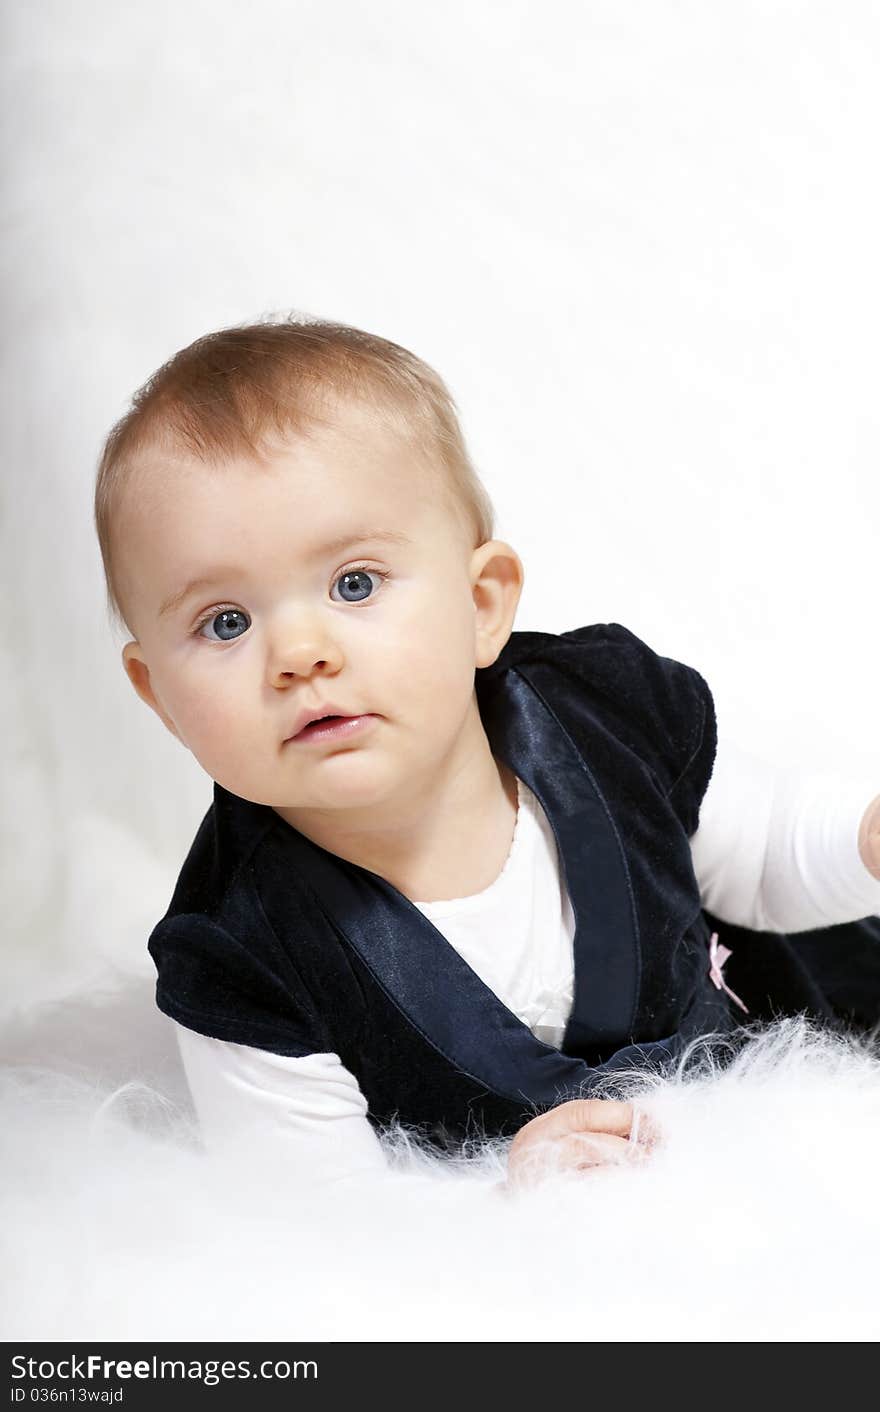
(470, 867)
(453, 846)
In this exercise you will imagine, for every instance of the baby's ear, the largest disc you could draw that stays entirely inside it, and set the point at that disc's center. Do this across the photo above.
(497, 578)
(138, 674)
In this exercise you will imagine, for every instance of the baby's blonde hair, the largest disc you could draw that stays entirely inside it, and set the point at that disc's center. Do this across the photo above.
(226, 395)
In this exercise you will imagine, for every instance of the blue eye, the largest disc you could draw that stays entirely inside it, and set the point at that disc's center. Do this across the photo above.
(356, 583)
(230, 624)
(227, 624)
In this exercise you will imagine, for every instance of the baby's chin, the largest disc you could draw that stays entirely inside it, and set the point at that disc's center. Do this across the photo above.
(343, 781)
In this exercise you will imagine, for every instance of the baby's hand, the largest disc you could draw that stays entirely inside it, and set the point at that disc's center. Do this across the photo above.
(578, 1136)
(869, 838)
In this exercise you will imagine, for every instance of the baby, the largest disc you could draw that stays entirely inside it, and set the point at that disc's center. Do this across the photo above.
(452, 875)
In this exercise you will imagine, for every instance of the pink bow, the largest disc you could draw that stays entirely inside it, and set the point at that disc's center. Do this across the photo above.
(717, 956)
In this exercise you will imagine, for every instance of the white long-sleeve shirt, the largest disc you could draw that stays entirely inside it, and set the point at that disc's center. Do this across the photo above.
(775, 851)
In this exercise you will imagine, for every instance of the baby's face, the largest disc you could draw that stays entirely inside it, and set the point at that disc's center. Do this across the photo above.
(335, 581)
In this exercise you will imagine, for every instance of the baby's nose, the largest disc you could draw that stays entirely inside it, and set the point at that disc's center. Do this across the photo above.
(299, 651)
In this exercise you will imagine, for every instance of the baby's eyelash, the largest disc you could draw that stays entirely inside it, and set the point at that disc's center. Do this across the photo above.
(212, 613)
(380, 574)
(206, 617)
(361, 569)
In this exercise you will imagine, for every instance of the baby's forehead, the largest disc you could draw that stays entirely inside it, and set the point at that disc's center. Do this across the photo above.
(325, 492)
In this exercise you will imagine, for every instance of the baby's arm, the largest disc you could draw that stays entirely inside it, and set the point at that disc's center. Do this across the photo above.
(307, 1114)
(778, 850)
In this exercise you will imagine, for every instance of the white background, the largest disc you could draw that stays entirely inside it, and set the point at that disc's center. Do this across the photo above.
(640, 243)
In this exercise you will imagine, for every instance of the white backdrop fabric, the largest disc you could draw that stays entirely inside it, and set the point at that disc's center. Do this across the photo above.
(639, 242)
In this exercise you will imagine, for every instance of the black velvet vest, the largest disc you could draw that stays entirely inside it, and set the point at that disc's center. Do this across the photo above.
(274, 942)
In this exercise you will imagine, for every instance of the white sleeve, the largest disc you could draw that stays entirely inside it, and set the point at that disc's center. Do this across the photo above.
(308, 1113)
(777, 850)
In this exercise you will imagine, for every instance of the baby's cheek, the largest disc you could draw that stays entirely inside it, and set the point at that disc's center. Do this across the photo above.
(442, 641)
(215, 735)
(443, 684)
(243, 769)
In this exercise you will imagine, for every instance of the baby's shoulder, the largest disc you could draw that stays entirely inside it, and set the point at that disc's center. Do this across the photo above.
(611, 663)
(612, 691)
(234, 946)
(243, 888)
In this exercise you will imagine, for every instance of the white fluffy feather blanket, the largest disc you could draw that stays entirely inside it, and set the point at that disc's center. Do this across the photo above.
(756, 1219)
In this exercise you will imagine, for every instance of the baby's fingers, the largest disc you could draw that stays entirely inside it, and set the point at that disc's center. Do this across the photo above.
(576, 1152)
(578, 1115)
(579, 1135)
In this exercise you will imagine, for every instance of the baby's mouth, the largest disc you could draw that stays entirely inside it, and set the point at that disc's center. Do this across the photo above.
(333, 728)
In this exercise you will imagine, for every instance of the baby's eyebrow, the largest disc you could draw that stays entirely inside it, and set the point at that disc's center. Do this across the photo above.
(332, 546)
